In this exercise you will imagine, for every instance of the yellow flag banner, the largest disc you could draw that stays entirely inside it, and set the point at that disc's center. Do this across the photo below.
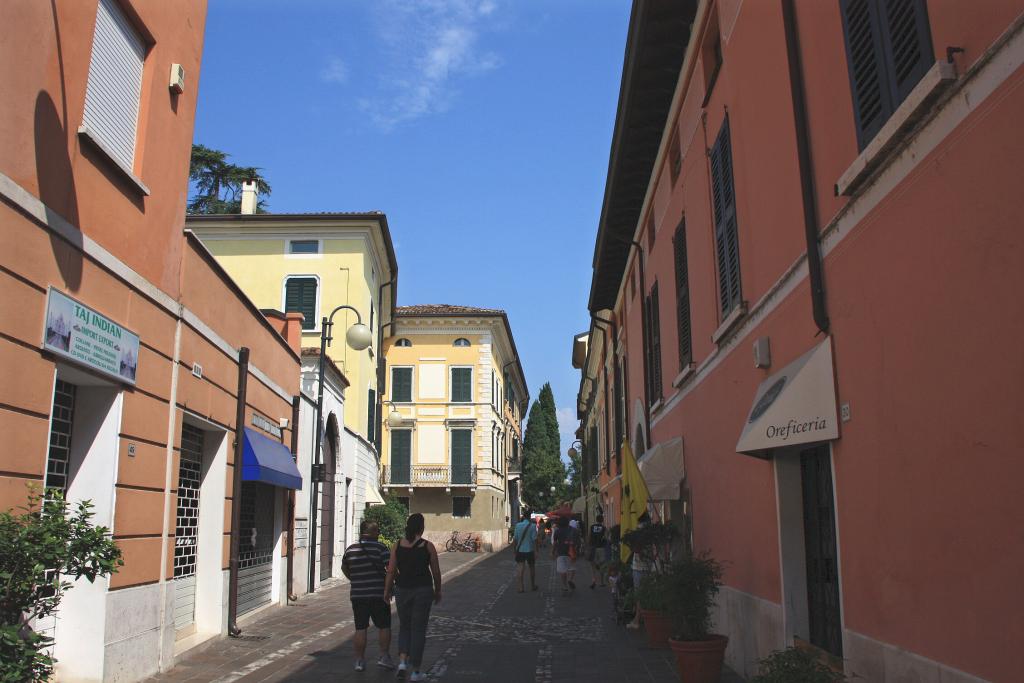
(634, 497)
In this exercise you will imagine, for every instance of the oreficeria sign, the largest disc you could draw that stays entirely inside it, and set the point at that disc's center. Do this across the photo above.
(86, 336)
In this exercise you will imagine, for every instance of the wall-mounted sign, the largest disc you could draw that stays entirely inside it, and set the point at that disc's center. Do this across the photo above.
(266, 425)
(81, 334)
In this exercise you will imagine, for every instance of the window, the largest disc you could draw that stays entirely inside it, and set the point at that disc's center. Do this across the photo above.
(371, 413)
(461, 506)
(682, 297)
(654, 345)
(303, 246)
(461, 341)
(401, 385)
(401, 456)
(618, 407)
(403, 342)
(462, 385)
(300, 295)
(593, 452)
(675, 156)
(726, 232)
(59, 456)
(114, 87)
(462, 456)
(711, 57)
(888, 50)
(650, 231)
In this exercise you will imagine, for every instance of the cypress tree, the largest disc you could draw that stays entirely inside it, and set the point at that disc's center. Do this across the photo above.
(542, 464)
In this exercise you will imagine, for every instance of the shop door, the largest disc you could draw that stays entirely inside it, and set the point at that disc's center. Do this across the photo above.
(186, 535)
(327, 512)
(255, 546)
(820, 548)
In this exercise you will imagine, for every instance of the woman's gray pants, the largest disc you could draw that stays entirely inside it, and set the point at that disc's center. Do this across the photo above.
(413, 613)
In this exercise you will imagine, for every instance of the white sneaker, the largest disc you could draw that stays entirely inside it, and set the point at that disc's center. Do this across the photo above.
(360, 665)
(417, 676)
(403, 666)
(385, 662)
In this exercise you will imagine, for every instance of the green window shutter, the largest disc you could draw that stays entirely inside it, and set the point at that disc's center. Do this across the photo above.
(656, 387)
(462, 456)
(300, 296)
(462, 385)
(726, 231)
(371, 413)
(401, 385)
(683, 298)
(401, 456)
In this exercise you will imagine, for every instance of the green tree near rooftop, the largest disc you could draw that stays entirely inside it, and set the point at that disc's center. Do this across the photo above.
(542, 462)
(218, 183)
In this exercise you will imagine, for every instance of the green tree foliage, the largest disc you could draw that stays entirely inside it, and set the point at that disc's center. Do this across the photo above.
(390, 517)
(542, 463)
(218, 183)
(43, 549)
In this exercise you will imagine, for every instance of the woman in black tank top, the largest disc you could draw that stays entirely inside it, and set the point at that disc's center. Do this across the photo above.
(415, 576)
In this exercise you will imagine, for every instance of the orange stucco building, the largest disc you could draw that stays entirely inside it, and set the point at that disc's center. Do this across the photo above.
(129, 361)
(804, 297)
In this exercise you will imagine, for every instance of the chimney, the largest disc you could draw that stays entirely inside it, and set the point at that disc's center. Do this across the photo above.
(249, 197)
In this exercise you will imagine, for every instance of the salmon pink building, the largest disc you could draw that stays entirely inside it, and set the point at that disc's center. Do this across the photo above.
(804, 302)
(133, 372)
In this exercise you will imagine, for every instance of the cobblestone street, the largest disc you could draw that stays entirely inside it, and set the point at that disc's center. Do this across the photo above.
(482, 629)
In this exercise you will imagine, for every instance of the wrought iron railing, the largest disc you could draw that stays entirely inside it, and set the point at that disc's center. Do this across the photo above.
(429, 475)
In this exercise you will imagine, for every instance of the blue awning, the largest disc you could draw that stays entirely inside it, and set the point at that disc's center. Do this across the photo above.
(269, 461)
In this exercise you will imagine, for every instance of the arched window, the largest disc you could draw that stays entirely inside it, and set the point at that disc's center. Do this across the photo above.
(403, 342)
(461, 341)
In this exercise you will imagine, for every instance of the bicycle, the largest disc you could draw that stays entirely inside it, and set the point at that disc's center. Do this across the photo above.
(464, 544)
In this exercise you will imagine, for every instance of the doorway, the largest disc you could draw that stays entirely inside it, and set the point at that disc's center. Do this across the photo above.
(327, 502)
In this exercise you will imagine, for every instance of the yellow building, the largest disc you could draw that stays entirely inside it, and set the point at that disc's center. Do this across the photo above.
(455, 378)
(312, 263)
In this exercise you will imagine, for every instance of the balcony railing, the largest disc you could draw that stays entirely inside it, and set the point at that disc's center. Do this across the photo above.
(430, 475)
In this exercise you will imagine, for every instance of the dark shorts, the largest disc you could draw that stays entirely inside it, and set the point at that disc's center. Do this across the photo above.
(525, 557)
(597, 555)
(364, 609)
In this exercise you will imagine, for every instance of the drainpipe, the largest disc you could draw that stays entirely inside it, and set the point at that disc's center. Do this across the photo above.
(236, 492)
(291, 501)
(380, 357)
(810, 207)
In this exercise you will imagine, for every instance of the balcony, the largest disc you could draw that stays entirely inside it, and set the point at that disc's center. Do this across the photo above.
(429, 476)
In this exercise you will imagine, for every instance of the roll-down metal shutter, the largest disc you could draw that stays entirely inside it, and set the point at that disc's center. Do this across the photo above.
(115, 83)
(256, 546)
(186, 535)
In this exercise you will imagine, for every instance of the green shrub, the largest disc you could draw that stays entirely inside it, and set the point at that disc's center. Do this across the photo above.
(652, 593)
(390, 517)
(43, 550)
(795, 666)
(691, 586)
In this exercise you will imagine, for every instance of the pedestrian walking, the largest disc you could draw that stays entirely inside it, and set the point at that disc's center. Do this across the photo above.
(565, 543)
(415, 577)
(597, 551)
(364, 564)
(524, 536)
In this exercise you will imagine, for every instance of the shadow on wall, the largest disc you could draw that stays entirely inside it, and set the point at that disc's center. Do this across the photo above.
(57, 185)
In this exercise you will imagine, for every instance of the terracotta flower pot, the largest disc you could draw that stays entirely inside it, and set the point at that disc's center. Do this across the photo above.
(700, 661)
(658, 627)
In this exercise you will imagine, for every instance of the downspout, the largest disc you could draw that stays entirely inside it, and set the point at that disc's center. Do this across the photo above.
(380, 358)
(291, 501)
(236, 492)
(810, 206)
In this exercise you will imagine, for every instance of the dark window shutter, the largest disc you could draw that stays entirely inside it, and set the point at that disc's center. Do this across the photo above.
(371, 413)
(300, 296)
(726, 237)
(683, 297)
(462, 389)
(656, 387)
(888, 50)
(462, 456)
(618, 405)
(401, 456)
(401, 385)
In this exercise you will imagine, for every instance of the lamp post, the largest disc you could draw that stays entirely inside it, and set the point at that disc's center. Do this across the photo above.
(358, 337)
(574, 453)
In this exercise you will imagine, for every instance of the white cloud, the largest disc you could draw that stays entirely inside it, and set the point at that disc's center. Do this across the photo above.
(335, 71)
(431, 47)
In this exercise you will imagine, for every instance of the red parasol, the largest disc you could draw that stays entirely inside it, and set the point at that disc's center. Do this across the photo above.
(564, 511)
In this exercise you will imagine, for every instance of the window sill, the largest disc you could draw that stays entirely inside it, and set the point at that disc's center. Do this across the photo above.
(657, 405)
(84, 132)
(689, 371)
(729, 324)
(889, 139)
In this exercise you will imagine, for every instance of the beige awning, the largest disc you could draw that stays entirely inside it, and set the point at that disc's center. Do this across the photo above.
(579, 506)
(662, 468)
(795, 405)
(373, 495)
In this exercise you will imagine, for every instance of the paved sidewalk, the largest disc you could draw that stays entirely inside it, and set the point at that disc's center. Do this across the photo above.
(482, 629)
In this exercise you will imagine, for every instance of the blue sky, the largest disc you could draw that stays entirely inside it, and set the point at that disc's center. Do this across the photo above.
(480, 127)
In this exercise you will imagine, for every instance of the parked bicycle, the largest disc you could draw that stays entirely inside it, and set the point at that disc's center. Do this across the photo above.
(462, 544)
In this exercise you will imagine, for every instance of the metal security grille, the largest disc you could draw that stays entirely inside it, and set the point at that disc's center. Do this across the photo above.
(186, 534)
(60, 437)
(256, 546)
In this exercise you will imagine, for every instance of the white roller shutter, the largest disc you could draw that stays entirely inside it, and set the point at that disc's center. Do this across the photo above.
(115, 83)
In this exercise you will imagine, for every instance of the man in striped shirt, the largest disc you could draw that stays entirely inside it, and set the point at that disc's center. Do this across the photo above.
(365, 564)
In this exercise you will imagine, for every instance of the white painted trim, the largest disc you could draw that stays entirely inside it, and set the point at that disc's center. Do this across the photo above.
(290, 255)
(270, 384)
(735, 315)
(970, 93)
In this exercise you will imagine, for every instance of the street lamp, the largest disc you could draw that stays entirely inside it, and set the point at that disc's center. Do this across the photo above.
(395, 418)
(573, 452)
(359, 337)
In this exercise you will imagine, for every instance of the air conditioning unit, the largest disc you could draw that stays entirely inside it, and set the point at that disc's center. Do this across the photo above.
(177, 82)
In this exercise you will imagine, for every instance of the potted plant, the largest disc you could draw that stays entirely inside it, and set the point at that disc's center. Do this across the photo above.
(793, 665)
(651, 597)
(691, 586)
